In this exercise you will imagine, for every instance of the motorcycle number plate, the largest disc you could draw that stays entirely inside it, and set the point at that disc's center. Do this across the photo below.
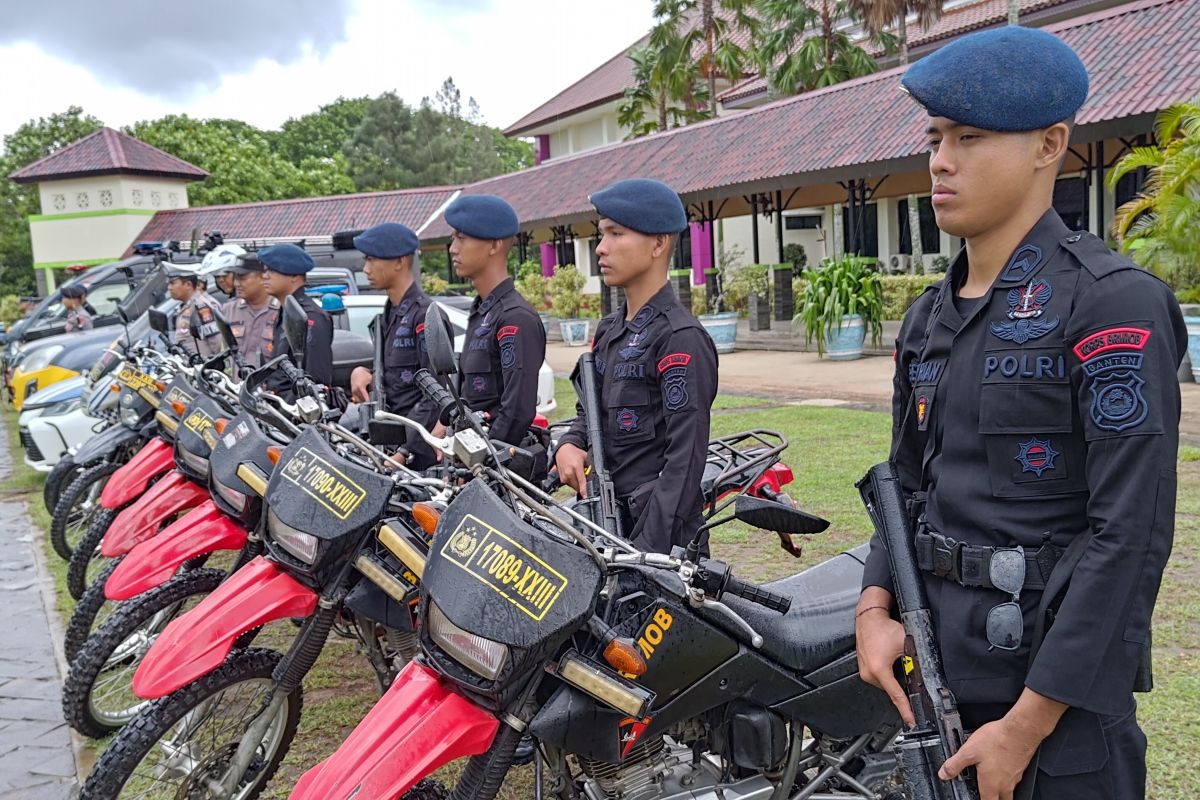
(134, 378)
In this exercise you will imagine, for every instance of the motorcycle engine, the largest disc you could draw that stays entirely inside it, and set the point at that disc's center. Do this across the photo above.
(662, 769)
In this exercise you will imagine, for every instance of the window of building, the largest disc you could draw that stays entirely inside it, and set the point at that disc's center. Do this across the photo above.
(1070, 201)
(802, 222)
(931, 237)
(867, 241)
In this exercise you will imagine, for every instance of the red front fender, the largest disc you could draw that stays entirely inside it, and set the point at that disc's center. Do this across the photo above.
(418, 726)
(196, 643)
(153, 460)
(204, 529)
(171, 495)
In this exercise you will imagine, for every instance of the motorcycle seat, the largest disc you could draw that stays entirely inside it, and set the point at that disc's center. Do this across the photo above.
(819, 626)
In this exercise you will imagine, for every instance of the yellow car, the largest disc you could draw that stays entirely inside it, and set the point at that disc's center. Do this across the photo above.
(56, 358)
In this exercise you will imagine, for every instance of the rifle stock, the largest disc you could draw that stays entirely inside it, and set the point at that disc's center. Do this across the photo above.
(601, 492)
(939, 731)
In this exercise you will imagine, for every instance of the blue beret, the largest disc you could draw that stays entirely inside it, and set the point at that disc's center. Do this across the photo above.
(643, 205)
(483, 216)
(1007, 79)
(387, 240)
(286, 259)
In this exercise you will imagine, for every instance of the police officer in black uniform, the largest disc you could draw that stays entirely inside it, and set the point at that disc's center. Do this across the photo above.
(658, 372)
(1036, 407)
(389, 250)
(285, 266)
(505, 341)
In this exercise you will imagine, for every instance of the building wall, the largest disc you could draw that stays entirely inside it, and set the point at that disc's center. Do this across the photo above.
(586, 131)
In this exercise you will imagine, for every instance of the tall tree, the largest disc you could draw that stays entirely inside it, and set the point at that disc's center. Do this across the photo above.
(802, 45)
(667, 78)
(877, 17)
(719, 20)
(31, 141)
(241, 165)
(323, 133)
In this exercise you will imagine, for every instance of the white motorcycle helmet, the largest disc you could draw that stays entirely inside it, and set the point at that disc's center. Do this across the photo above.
(222, 259)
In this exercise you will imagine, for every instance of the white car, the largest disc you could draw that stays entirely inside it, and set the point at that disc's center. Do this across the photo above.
(55, 421)
(362, 308)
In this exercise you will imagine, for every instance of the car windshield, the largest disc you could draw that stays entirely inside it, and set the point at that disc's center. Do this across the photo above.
(360, 318)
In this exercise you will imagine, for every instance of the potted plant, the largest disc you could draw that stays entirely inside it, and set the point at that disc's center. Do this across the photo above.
(532, 285)
(566, 299)
(721, 324)
(841, 299)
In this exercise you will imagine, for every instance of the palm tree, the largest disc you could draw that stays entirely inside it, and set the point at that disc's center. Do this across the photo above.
(722, 56)
(1158, 227)
(793, 62)
(877, 16)
(666, 78)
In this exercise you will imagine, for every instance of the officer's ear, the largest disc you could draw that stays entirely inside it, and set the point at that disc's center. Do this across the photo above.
(1053, 144)
(664, 244)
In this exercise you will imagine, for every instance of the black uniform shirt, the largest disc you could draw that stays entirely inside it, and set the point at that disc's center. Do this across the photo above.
(404, 354)
(1050, 411)
(318, 348)
(505, 347)
(658, 375)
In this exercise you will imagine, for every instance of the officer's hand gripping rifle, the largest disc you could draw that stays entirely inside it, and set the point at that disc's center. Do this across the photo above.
(939, 733)
(601, 492)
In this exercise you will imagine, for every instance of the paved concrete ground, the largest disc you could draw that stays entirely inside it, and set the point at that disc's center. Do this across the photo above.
(796, 376)
(36, 753)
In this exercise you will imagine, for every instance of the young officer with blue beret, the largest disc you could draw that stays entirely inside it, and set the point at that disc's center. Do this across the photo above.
(285, 266)
(389, 250)
(658, 373)
(1036, 407)
(505, 342)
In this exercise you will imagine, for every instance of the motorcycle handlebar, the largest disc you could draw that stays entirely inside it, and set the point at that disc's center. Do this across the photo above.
(757, 594)
(437, 394)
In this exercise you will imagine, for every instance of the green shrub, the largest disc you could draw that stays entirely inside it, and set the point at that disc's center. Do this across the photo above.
(1189, 295)
(741, 281)
(796, 255)
(533, 285)
(899, 292)
(433, 285)
(10, 309)
(699, 300)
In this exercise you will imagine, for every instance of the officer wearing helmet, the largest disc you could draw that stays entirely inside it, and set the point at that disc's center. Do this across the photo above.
(185, 284)
(220, 263)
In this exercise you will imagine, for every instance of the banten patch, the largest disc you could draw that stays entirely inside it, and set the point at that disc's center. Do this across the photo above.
(1117, 401)
(1036, 456)
(672, 371)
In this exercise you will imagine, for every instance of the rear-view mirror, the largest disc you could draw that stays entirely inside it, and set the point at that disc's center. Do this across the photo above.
(159, 321)
(438, 342)
(770, 515)
(295, 327)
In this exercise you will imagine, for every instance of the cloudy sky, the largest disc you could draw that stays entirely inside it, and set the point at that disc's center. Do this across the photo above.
(266, 60)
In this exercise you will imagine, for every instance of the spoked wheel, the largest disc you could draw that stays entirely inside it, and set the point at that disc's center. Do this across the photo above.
(98, 694)
(181, 745)
(78, 505)
(92, 610)
(86, 562)
(57, 479)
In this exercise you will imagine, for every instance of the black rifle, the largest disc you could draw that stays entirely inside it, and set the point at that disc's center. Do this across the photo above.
(939, 733)
(602, 495)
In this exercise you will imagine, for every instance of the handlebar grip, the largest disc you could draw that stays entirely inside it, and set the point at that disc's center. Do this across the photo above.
(757, 594)
(437, 394)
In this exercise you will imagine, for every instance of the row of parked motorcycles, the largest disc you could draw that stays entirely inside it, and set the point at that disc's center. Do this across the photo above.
(498, 618)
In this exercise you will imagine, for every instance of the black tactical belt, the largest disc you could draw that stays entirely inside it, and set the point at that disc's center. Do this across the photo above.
(970, 565)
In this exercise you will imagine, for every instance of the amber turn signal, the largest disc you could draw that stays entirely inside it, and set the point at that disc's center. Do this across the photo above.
(221, 424)
(624, 656)
(162, 387)
(273, 454)
(178, 408)
(114, 388)
(427, 517)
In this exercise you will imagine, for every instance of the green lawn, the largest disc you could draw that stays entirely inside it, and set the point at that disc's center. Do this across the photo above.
(829, 449)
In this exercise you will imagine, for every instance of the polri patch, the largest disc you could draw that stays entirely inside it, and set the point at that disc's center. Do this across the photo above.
(672, 371)
(1025, 305)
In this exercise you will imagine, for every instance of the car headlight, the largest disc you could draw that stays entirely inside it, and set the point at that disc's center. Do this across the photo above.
(482, 656)
(41, 359)
(300, 544)
(62, 407)
(236, 500)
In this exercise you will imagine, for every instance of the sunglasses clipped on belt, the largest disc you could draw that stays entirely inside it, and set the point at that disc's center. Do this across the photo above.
(1005, 622)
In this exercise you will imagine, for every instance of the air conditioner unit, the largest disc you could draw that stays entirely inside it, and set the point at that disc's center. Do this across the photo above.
(900, 263)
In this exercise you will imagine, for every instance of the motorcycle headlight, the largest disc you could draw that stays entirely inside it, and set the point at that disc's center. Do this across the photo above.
(233, 497)
(199, 464)
(298, 543)
(41, 359)
(130, 416)
(482, 656)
